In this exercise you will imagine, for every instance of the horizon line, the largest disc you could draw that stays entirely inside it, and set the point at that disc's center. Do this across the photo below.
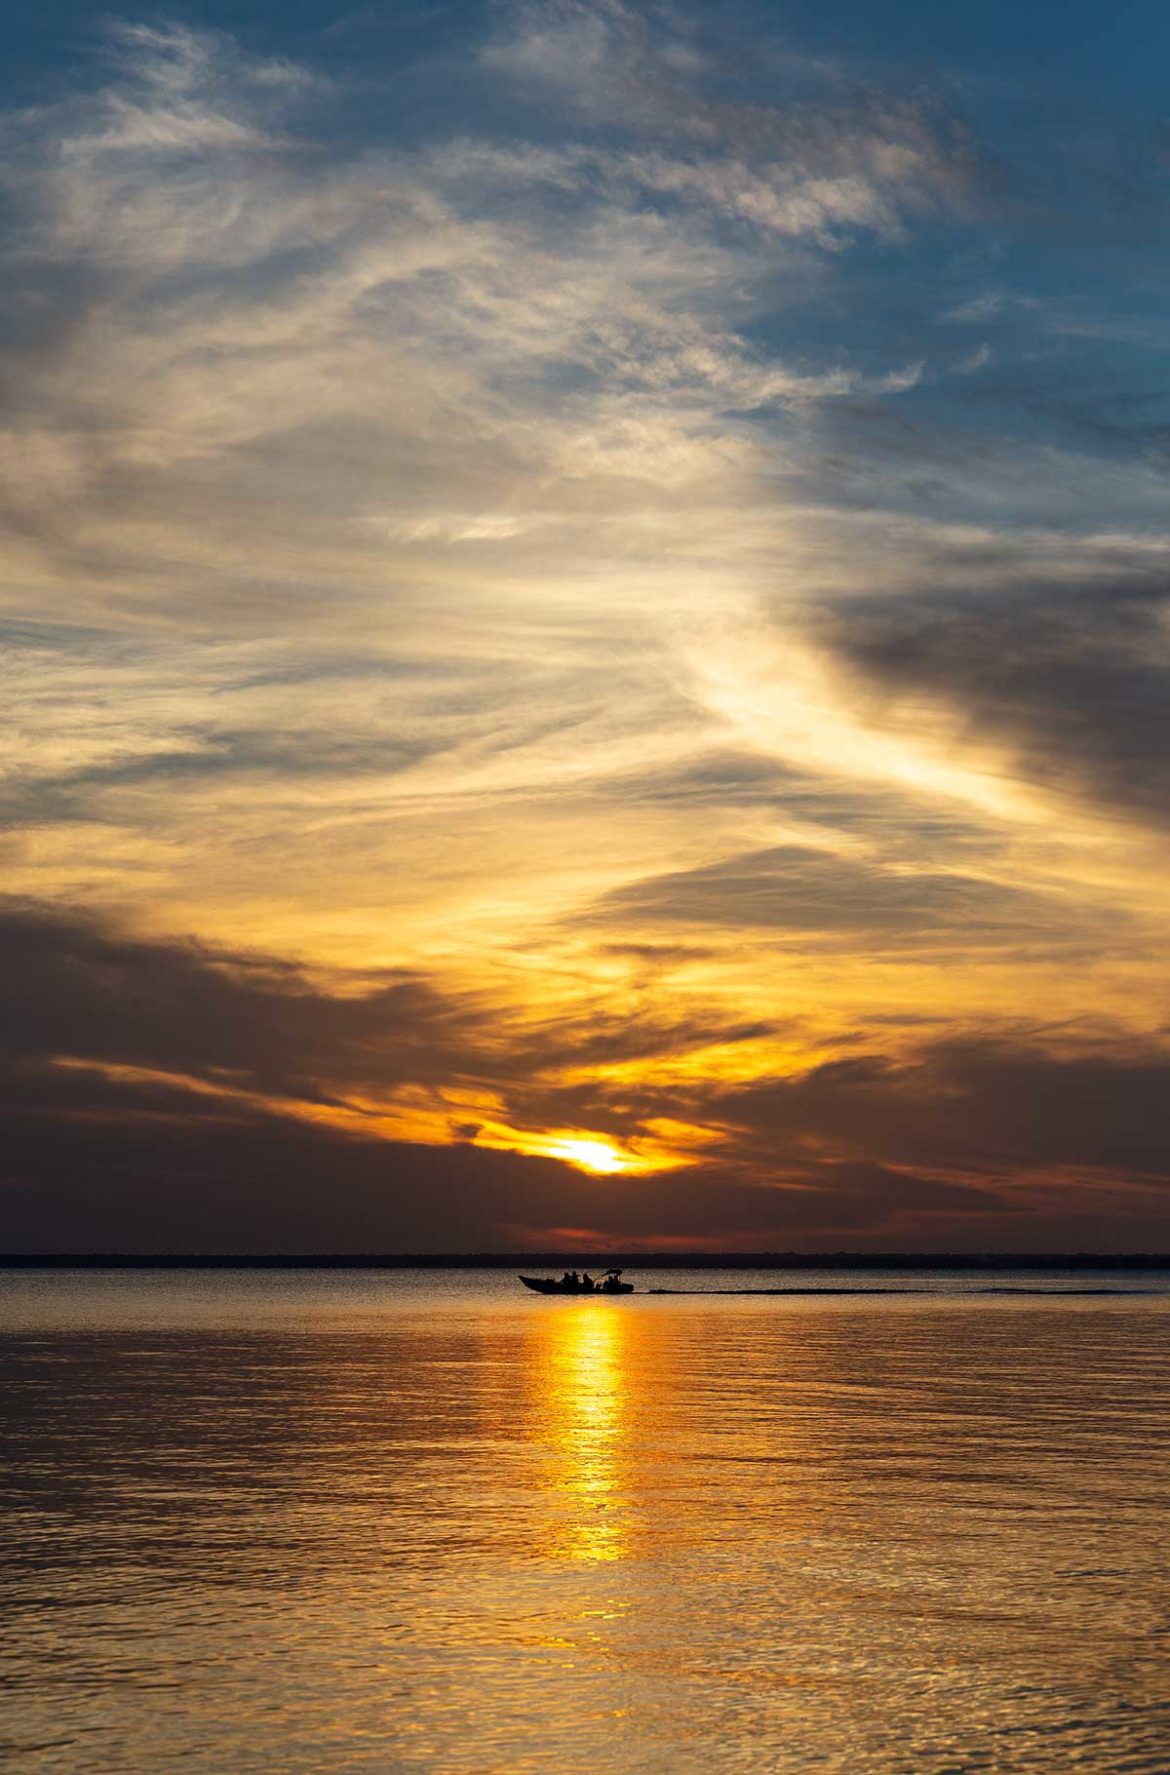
(584, 1259)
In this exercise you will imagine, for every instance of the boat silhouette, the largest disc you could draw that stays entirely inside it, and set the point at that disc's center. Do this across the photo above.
(548, 1285)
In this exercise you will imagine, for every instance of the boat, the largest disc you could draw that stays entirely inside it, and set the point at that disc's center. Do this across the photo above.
(547, 1285)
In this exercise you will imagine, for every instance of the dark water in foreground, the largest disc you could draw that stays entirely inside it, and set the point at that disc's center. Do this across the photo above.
(309, 1522)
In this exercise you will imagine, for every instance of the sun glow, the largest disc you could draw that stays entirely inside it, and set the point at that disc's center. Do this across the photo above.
(590, 1155)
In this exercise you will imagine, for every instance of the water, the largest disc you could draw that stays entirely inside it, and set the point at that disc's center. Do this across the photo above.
(321, 1522)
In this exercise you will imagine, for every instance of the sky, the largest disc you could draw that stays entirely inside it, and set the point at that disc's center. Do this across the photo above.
(585, 607)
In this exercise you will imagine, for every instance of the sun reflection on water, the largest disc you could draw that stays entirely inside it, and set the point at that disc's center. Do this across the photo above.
(584, 1397)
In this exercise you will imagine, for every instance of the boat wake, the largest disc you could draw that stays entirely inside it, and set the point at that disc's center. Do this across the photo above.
(949, 1293)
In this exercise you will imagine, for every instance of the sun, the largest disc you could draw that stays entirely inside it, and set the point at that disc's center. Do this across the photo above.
(590, 1155)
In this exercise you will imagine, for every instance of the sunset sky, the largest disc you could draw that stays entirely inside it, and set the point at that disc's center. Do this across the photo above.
(585, 613)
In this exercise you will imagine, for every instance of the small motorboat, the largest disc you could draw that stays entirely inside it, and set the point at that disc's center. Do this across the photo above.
(612, 1284)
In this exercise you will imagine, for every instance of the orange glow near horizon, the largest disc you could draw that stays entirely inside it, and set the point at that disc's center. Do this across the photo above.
(390, 1122)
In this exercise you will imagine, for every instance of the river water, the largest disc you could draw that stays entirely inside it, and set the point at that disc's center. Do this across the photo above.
(324, 1521)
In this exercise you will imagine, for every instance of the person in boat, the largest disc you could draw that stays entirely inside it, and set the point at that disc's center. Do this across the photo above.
(587, 1282)
(568, 1279)
(613, 1281)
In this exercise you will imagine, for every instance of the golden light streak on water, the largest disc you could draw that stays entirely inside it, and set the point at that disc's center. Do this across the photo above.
(582, 1382)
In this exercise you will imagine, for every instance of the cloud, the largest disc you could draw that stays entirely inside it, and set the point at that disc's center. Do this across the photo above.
(447, 432)
(223, 305)
(127, 1169)
(1074, 677)
(533, 556)
(793, 888)
(75, 990)
(1045, 1105)
(828, 151)
(160, 1096)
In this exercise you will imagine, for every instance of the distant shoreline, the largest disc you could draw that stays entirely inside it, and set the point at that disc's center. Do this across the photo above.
(638, 1260)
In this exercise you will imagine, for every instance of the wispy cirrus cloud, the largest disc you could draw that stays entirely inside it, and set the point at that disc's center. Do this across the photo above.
(293, 391)
(485, 300)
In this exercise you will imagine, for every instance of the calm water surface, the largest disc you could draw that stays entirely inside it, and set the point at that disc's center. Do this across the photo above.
(321, 1522)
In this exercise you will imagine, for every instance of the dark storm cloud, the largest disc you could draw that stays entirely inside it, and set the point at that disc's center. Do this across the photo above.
(978, 1105)
(122, 1161)
(942, 1147)
(1075, 677)
(97, 1165)
(101, 1160)
(791, 888)
(119, 1165)
(72, 988)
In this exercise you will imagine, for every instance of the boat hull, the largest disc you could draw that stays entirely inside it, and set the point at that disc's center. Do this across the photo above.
(543, 1285)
